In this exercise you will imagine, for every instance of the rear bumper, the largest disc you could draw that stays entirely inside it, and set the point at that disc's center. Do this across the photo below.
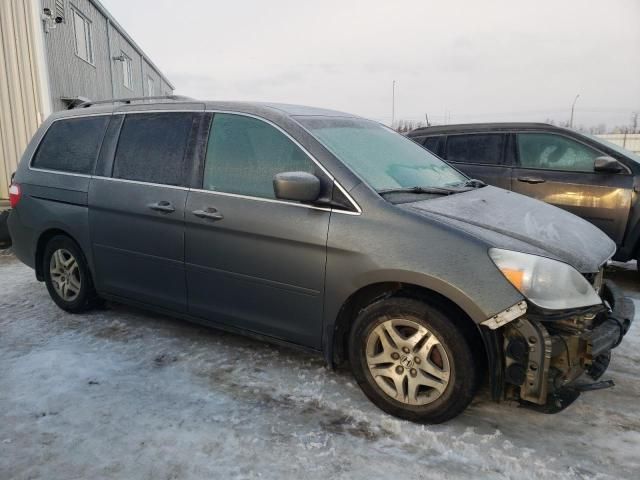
(544, 360)
(22, 239)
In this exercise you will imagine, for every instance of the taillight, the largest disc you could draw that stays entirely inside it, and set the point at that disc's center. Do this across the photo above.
(14, 194)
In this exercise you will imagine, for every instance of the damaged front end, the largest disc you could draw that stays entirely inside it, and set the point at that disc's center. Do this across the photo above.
(545, 353)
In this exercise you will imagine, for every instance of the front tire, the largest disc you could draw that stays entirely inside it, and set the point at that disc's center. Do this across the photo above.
(412, 361)
(67, 275)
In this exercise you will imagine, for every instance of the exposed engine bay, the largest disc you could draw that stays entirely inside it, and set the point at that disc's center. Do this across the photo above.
(545, 356)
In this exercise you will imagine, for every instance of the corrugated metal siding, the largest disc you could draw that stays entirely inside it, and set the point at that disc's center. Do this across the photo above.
(149, 72)
(20, 99)
(71, 76)
(118, 45)
(23, 63)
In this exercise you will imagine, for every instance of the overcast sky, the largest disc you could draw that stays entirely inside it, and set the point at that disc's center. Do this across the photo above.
(469, 60)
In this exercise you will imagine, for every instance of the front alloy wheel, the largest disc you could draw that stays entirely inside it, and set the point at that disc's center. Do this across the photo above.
(407, 361)
(412, 360)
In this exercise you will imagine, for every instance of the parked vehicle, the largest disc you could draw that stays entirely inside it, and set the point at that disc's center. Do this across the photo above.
(584, 175)
(326, 231)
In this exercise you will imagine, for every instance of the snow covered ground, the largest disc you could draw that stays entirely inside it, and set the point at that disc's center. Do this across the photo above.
(120, 393)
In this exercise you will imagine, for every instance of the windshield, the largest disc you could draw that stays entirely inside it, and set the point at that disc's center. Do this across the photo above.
(381, 157)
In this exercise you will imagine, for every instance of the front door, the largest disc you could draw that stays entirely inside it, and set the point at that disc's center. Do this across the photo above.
(559, 170)
(252, 261)
(136, 215)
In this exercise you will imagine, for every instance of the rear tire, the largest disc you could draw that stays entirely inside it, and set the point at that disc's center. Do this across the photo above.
(67, 275)
(412, 361)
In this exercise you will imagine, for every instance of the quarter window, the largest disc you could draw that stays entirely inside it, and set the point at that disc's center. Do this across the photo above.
(152, 148)
(82, 30)
(476, 148)
(554, 152)
(71, 145)
(127, 71)
(245, 153)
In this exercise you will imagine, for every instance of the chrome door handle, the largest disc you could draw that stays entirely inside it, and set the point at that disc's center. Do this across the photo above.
(531, 179)
(162, 206)
(208, 213)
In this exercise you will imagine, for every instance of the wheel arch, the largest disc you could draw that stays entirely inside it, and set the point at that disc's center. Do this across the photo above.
(482, 342)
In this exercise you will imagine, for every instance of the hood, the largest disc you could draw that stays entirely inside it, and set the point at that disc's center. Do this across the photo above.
(512, 221)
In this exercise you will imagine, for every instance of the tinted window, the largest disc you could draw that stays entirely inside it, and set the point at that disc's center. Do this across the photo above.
(554, 152)
(477, 148)
(245, 153)
(431, 144)
(152, 146)
(72, 145)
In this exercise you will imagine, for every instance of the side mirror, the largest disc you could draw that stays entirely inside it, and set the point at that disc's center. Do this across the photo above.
(607, 164)
(298, 186)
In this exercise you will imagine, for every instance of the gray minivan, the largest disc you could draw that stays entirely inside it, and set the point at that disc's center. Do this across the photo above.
(326, 231)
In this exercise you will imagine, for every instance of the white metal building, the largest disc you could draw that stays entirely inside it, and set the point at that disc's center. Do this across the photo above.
(56, 53)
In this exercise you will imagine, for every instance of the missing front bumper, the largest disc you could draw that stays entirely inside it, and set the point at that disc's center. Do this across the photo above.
(544, 358)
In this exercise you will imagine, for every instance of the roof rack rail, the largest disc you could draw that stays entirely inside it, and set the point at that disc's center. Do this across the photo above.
(90, 103)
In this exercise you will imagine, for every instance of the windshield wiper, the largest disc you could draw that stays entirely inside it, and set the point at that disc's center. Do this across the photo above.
(425, 190)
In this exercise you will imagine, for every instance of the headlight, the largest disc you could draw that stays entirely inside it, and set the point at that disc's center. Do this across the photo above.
(546, 283)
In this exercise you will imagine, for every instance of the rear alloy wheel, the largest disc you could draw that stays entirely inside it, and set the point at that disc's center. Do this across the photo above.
(412, 361)
(67, 276)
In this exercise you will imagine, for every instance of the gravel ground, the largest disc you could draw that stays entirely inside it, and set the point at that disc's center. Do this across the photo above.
(120, 393)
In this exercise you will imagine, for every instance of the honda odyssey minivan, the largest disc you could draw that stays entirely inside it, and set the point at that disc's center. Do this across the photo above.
(326, 231)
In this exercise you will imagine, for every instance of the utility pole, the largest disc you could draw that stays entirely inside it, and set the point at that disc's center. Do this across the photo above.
(573, 106)
(393, 103)
(426, 116)
(634, 122)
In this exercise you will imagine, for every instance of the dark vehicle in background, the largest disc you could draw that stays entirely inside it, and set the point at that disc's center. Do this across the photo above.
(589, 177)
(322, 230)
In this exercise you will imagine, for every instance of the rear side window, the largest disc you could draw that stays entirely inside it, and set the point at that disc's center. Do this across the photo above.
(431, 144)
(476, 148)
(152, 147)
(245, 153)
(72, 145)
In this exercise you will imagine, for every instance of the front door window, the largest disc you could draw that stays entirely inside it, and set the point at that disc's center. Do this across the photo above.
(555, 152)
(245, 153)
